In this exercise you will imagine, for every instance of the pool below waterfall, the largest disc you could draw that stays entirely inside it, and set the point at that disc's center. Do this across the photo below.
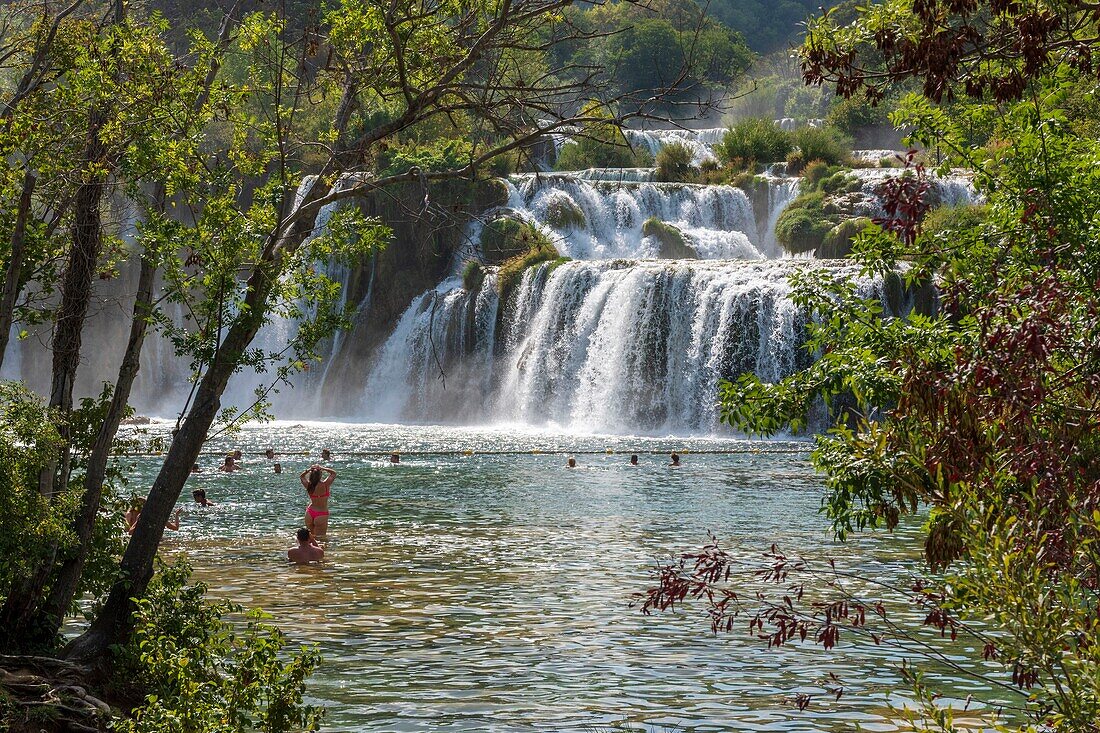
(481, 585)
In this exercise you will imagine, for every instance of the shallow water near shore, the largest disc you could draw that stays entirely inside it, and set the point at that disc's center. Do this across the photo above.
(483, 586)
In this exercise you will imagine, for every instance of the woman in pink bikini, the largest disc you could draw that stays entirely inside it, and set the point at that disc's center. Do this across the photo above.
(318, 486)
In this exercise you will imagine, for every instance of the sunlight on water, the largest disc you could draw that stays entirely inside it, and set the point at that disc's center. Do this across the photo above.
(493, 592)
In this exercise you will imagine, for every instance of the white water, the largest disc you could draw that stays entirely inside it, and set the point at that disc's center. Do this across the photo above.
(718, 221)
(594, 346)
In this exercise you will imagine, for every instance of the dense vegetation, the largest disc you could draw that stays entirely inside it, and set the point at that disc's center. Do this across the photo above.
(228, 134)
(982, 416)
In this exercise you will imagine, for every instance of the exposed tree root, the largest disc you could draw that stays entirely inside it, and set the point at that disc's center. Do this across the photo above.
(48, 694)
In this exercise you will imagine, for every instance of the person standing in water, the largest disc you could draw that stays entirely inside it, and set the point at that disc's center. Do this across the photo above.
(571, 463)
(230, 465)
(278, 467)
(326, 454)
(395, 458)
(307, 550)
(633, 459)
(318, 484)
(134, 512)
(675, 461)
(199, 495)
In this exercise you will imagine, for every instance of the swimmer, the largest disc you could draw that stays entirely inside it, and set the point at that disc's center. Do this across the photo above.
(230, 465)
(571, 463)
(319, 487)
(199, 495)
(269, 454)
(196, 468)
(307, 550)
(395, 458)
(237, 455)
(134, 513)
(278, 467)
(675, 461)
(326, 454)
(634, 459)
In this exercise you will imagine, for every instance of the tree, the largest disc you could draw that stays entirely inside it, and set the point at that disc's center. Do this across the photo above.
(985, 411)
(253, 134)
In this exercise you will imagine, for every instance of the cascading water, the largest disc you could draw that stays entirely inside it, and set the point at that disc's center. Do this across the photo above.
(617, 339)
(595, 346)
(600, 220)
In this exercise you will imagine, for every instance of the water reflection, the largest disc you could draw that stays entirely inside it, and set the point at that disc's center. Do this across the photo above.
(492, 592)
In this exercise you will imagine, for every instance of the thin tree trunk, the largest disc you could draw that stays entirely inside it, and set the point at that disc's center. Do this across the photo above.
(87, 241)
(67, 577)
(115, 619)
(12, 277)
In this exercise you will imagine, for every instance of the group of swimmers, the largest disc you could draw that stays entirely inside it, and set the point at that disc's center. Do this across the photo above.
(673, 463)
(317, 481)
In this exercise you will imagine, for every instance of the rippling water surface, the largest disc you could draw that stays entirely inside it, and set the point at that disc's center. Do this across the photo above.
(492, 592)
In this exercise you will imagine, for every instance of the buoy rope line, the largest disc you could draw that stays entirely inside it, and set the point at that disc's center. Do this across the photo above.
(533, 452)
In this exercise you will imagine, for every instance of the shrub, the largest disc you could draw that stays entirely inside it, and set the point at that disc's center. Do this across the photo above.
(803, 224)
(473, 275)
(507, 236)
(200, 672)
(672, 243)
(511, 271)
(754, 142)
(946, 219)
(601, 145)
(674, 163)
(822, 143)
(795, 162)
(814, 174)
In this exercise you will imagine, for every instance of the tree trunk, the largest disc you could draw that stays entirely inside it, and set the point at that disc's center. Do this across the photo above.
(67, 577)
(12, 283)
(87, 240)
(115, 620)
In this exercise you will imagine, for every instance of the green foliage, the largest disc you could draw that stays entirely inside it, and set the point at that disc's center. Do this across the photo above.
(946, 219)
(201, 672)
(644, 50)
(601, 145)
(511, 270)
(473, 275)
(506, 237)
(438, 155)
(674, 163)
(766, 27)
(673, 245)
(753, 143)
(851, 115)
(802, 226)
(822, 143)
(29, 523)
(984, 410)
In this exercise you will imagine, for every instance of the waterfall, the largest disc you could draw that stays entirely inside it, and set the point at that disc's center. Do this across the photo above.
(600, 220)
(700, 142)
(595, 346)
(437, 363)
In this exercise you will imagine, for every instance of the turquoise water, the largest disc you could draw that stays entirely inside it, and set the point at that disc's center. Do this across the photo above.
(492, 592)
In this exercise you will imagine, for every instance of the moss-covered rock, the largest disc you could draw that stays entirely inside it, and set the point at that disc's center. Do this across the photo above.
(563, 213)
(506, 237)
(803, 224)
(838, 241)
(671, 241)
(539, 249)
(473, 276)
